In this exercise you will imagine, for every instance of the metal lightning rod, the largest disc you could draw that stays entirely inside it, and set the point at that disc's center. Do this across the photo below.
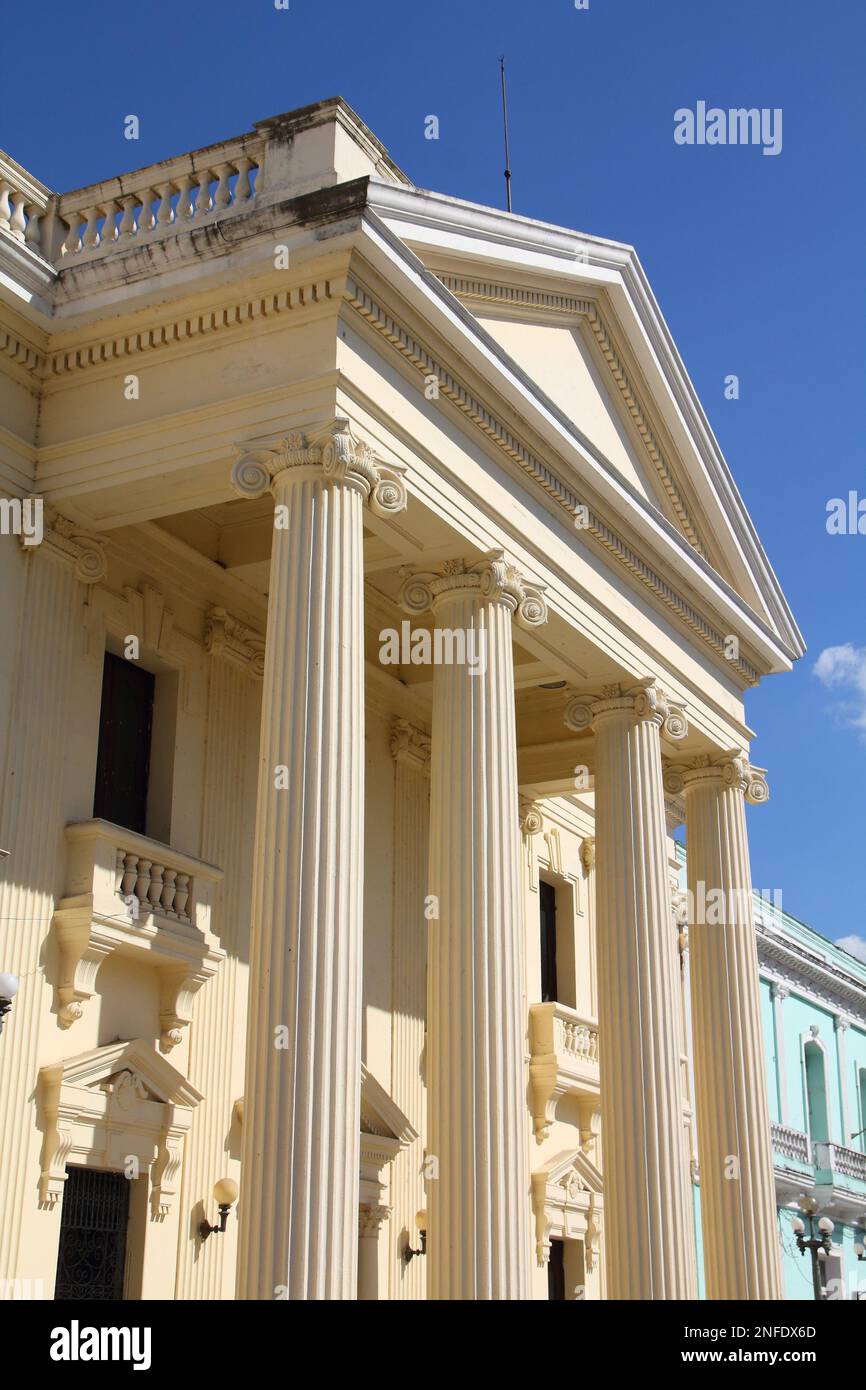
(505, 128)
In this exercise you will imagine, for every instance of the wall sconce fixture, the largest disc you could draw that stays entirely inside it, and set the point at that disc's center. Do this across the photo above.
(225, 1195)
(421, 1223)
(8, 991)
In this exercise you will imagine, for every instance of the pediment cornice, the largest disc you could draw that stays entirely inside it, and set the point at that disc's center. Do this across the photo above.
(563, 493)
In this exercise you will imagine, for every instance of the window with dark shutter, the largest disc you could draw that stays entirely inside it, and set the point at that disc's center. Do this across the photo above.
(125, 730)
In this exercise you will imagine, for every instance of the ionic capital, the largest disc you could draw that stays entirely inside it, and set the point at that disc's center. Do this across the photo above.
(493, 579)
(80, 550)
(732, 769)
(531, 820)
(227, 638)
(410, 745)
(337, 453)
(644, 701)
(779, 990)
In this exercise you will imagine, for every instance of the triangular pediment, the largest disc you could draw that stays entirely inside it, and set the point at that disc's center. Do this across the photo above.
(133, 1065)
(580, 384)
(380, 1115)
(573, 1173)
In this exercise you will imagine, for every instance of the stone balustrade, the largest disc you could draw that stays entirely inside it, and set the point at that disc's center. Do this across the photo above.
(23, 202)
(836, 1159)
(155, 887)
(790, 1143)
(173, 195)
(563, 1060)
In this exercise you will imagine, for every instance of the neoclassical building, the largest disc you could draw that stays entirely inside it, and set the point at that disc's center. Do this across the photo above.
(377, 602)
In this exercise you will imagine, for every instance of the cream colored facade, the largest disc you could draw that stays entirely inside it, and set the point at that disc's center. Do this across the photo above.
(277, 402)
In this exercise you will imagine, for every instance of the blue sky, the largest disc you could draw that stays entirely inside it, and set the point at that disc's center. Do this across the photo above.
(756, 260)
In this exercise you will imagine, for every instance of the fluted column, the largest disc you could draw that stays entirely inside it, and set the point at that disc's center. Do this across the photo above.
(219, 1012)
(649, 1238)
(478, 1184)
(741, 1249)
(410, 747)
(45, 633)
(299, 1193)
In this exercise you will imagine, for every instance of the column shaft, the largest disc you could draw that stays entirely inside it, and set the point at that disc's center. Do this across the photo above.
(299, 1214)
(741, 1249)
(648, 1226)
(478, 1204)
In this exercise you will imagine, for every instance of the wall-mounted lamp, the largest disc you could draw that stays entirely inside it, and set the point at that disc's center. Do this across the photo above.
(8, 991)
(421, 1223)
(225, 1194)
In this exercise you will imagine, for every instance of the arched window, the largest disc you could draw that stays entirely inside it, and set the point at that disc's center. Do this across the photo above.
(816, 1093)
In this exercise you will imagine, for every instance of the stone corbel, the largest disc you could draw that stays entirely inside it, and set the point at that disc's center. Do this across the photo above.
(227, 638)
(80, 956)
(177, 989)
(164, 1172)
(593, 1232)
(57, 1136)
(531, 824)
(587, 854)
(589, 1120)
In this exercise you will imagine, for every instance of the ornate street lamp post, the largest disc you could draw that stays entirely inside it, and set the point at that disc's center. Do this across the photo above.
(814, 1244)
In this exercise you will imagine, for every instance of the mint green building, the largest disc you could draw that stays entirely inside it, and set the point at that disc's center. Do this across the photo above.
(813, 1011)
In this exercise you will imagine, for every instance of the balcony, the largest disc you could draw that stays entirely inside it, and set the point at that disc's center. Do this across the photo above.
(563, 1061)
(790, 1143)
(840, 1163)
(132, 896)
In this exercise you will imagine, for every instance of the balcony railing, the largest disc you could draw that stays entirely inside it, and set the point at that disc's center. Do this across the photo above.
(132, 896)
(835, 1158)
(790, 1143)
(563, 1059)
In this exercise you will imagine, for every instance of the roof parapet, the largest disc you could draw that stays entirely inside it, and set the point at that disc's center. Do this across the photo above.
(283, 157)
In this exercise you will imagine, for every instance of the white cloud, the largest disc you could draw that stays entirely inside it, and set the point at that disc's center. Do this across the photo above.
(854, 945)
(844, 669)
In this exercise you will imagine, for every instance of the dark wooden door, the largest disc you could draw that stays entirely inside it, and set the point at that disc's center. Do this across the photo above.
(547, 908)
(556, 1272)
(93, 1222)
(125, 727)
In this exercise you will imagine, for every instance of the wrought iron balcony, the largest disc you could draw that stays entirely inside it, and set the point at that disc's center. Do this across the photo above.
(563, 1060)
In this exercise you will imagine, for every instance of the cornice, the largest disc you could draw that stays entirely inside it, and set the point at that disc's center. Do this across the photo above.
(22, 351)
(577, 307)
(796, 967)
(175, 330)
(426, 364)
